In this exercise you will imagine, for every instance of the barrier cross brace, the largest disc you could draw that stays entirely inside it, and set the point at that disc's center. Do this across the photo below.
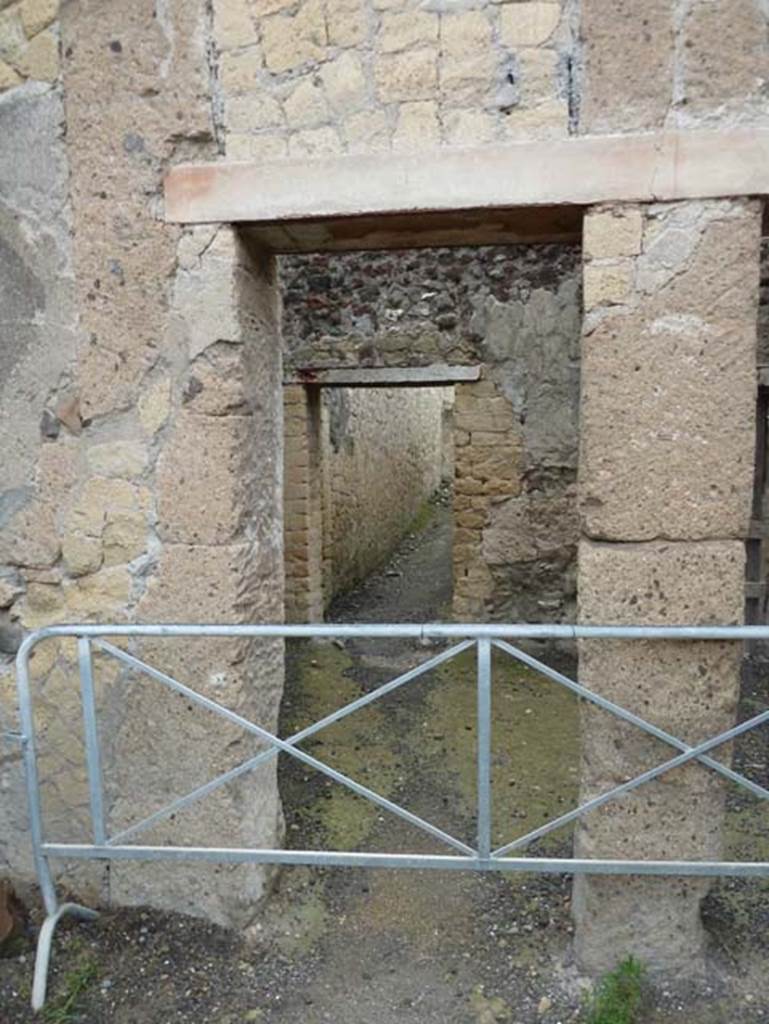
(462, 856)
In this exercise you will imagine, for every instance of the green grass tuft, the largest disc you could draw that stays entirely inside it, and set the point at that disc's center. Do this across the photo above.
(63, 1008)
(619, 995)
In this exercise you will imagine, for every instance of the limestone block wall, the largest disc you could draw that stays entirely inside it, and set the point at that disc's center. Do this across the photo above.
(515, 312)
(29, 42)
(314, 78)
(666, 481)
(360, 463)
(140, 422)
(303, 504)
(382, 458)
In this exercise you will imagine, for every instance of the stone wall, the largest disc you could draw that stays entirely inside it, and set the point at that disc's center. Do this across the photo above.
(29, 42)
(141, 425)
(515, 311)
(140, 369)
(349, 76)
(666, 487)
(360, 463)
(382, 458)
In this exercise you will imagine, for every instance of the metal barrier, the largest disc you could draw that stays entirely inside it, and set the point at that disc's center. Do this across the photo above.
(481, 857)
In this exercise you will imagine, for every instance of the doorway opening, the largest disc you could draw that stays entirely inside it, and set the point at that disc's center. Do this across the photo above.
(500, 325)
(367, 465)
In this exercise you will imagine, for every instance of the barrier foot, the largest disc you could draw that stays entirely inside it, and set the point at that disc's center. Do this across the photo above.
(44, 940)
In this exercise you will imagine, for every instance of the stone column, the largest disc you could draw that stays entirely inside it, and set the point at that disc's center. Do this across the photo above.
(302, 497)
(666, 466)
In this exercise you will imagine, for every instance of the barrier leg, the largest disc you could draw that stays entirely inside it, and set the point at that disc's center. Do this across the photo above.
(44, 940)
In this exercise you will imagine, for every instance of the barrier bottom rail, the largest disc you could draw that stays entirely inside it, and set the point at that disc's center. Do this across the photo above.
(478, 857)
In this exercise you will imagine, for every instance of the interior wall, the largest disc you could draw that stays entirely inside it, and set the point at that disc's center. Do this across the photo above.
(382, 457)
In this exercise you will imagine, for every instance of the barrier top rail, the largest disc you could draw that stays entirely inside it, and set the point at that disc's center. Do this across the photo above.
(404, 630)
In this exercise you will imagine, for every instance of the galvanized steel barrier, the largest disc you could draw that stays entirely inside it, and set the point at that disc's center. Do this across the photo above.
(481, 857)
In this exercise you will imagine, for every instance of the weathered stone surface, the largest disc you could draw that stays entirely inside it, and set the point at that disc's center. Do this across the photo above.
(233, 24)
(306, 106)
(40, 59)
(202, 480)
(667, 445)
(102, 595)
(665, 451)
(8, 77)
(146, 97)
(12, 36)
(528, 24)
(154, 405)
(210, 584)
(346, 22)
(418, 126)
(626, 86)
(401, 30)
(38, 333)
(725, 56)
(124, 537)
(609, 234)
(289, 41)
(37, 15)
(216, 384)
(125, 459)
(11, 586)
(544, 120)
(29, 537)
(205, 307)
(407, 76)
(82, 554)
(689, 689)
(607, 284)
(345, 84)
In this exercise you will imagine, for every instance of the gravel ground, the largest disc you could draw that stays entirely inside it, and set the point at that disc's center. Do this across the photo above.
(374, 947)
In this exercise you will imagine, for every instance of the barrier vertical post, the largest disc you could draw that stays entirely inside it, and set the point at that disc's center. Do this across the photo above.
(92, 752)
(484, 748)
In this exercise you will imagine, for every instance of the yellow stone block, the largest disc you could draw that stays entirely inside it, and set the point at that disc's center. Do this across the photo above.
(37, 15)
(612, 233)
(607, 284)
(417, 126)
(8, 77)
(289, 41)
(528, 24)
(40, 60)
(407, 76)
(403, 30)
(233, 24)
(155, 405)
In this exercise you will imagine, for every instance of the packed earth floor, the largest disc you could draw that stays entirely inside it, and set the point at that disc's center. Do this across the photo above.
(358, 946)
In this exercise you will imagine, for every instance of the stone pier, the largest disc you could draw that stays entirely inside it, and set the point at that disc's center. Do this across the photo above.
(666, 472)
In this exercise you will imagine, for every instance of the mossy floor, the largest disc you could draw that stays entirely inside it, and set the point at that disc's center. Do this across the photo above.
(358, 946)
(417, 746)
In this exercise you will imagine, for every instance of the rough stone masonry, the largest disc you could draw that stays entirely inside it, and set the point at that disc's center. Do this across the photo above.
(140, 413)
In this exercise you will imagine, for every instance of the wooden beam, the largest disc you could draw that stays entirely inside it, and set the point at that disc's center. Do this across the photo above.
(518, 226)
(384, 376)
(312, 201)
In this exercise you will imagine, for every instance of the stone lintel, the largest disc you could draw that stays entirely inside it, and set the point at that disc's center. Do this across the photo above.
(384, 376)
(340, 202)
